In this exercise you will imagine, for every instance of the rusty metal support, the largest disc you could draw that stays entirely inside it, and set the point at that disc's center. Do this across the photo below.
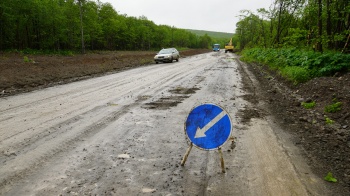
(186, 155)
(222, 161)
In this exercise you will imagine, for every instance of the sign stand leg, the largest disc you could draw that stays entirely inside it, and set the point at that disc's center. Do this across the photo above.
(186, 155)
(222, 161)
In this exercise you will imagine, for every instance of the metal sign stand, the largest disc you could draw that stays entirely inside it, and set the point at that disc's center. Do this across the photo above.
(186, 155)
(222, 161)
(207, 127)
(220, 154)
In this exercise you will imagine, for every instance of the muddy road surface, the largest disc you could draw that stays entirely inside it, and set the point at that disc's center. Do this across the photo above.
(123, 134)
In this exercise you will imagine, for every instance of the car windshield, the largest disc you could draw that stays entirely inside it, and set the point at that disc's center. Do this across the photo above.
(165, 51)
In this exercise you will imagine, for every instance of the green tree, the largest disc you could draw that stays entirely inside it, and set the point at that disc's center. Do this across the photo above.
(298, 23)
(83, 24)
(205, 41)
(92, 27)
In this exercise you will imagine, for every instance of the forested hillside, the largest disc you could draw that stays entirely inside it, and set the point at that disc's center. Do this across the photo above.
(215, 37)
(84, 24)
(212, 34)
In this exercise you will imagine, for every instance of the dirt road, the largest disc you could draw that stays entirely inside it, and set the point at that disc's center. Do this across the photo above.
(123, 134)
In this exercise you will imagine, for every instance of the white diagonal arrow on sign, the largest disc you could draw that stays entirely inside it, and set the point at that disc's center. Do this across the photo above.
(201, 131)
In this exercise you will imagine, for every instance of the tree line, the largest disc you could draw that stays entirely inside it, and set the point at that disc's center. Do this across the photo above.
(314, 24)
(85, 24)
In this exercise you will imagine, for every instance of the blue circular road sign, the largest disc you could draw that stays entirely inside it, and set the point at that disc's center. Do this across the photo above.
(208, 126)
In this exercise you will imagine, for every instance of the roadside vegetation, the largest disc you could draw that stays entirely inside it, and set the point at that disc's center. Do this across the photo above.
(300, 39)
(308, 44)
(299, 65)
(334, 107)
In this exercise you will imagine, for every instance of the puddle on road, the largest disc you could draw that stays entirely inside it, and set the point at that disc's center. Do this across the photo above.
(181, 90)
(173, 100)
(165, 102)
(249, 113)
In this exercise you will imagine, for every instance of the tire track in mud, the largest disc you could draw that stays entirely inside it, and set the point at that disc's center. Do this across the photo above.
(73, 93)
(207, 173)
(43, 139)
(77, 95)
(94, 176)
(63, 144)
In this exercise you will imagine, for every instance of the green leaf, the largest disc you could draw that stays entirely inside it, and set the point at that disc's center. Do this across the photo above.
(330, 177)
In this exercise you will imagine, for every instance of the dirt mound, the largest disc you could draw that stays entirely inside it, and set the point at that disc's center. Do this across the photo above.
(327, 91)
(324, 135)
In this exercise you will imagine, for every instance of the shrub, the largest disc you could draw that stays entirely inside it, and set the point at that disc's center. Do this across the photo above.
(299, 65)
(296, 74)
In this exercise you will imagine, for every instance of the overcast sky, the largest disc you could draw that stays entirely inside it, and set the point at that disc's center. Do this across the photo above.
(211, 15)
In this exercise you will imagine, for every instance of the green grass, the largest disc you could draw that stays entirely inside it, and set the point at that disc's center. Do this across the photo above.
(308, 105)
(182, 49)
(44, 52)
(330, 177)
(26, 59)
(329, 121)
(333, 108)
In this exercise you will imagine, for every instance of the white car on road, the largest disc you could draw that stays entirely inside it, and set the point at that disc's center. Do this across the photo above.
(167, 55)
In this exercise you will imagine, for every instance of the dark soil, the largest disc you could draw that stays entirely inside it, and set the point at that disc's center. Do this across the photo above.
(22, 73)
(326, 146)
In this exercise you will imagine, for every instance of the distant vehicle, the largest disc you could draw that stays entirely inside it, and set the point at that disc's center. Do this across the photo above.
(229, 47)
(216, 47)
(167, 55)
